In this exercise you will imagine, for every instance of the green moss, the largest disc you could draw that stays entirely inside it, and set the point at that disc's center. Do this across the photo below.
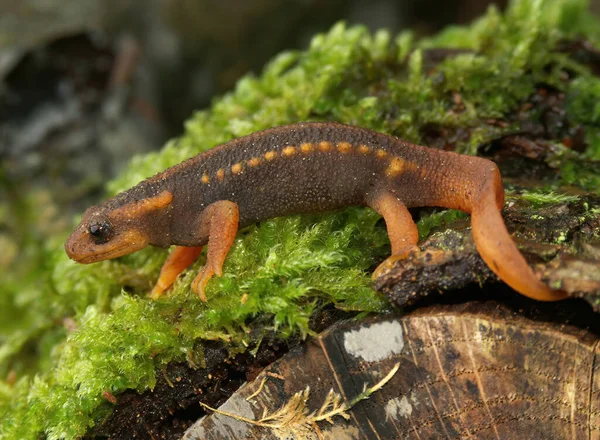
(437, 220)
(582, 173)
(283, 266)
(540, 198)
(583, 100)
(279, 271)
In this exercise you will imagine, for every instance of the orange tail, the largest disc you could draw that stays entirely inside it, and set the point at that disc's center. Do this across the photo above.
(497, 248)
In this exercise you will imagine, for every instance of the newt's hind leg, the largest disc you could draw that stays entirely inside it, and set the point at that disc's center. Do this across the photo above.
(221, 218)
(401, 228)
(178, 260)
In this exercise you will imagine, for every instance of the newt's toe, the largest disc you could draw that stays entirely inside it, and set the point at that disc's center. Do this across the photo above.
(390, 262)
(159, 289)
(199, 283)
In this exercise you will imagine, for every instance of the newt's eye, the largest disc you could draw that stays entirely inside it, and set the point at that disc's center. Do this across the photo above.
(100, 232)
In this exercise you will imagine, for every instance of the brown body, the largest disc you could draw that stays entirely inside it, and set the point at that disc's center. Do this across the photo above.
(306, 167)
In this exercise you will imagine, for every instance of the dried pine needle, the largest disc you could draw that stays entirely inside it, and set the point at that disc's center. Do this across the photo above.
(293, 417)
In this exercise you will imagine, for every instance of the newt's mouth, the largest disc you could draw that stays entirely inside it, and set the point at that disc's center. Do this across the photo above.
(91, 253)
(95, 256)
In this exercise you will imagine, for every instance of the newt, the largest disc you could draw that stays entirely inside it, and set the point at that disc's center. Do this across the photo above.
(301, 168)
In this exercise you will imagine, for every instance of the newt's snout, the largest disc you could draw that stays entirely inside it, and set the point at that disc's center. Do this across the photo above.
(97, 241)
(80, 248)
(74, 245)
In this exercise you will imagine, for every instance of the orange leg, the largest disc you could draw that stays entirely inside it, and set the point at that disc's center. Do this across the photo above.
(179, 260)
(401, 228)
(222, 220)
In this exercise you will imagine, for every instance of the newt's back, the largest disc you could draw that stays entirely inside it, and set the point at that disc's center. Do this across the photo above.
(308, 167)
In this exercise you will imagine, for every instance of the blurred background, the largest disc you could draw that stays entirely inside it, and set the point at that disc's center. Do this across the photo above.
(86, 84)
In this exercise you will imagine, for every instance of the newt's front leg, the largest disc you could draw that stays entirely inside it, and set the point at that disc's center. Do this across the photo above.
(219, 221)
(178, 260)
(222, 218)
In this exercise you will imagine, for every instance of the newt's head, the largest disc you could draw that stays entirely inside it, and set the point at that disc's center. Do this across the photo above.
(107, 232)
(98, 237)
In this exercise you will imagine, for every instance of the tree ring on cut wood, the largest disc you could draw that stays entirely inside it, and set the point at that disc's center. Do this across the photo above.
(465, 371)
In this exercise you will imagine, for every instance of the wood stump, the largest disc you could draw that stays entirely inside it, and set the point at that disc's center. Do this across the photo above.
(470, 371)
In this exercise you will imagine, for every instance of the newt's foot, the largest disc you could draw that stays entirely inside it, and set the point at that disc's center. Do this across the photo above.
(203, 277)
(390, 261)
(158, 289)
(180, 258)
(222, 218)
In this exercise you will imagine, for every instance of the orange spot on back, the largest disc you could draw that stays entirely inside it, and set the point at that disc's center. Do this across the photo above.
(324, 146)
(396, 167)
(205, 178)
(363, 149)
(255, 161)
(236, 168)
(289, 151)
(220, 174)
(307, 147)
(344, 147)
(270, 155)
(381, 153)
